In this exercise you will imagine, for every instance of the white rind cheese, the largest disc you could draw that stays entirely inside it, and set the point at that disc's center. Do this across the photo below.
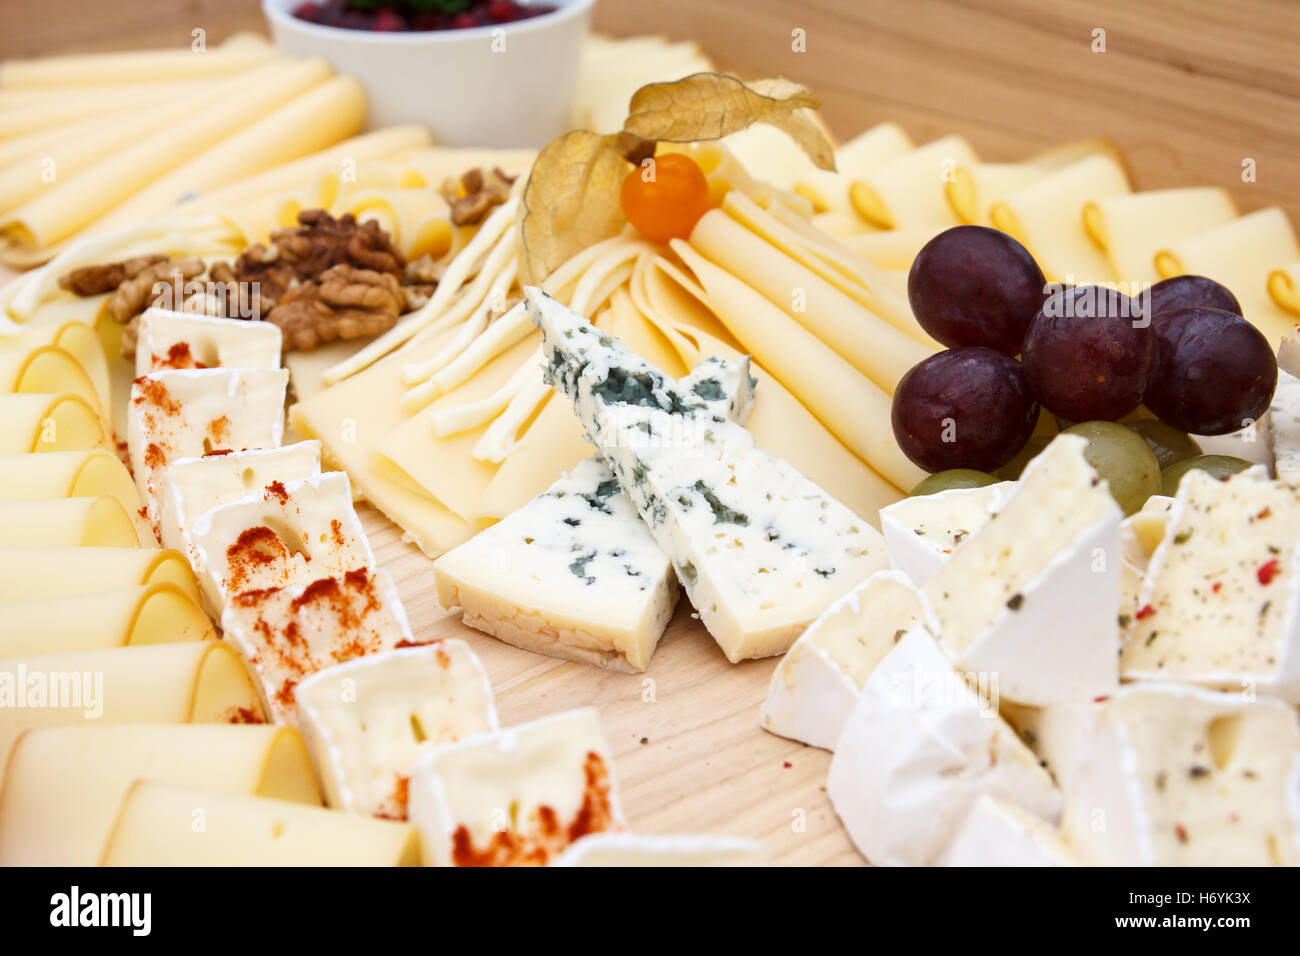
(288, 535)
(1285, 416)
(367, 721)
(1058, 735)
(760, 549)
(918, 750)
(1181, 776)
(185, 340)
(1218, 607)
(1253, 443)
(517, 797)
(635, 849)
(575, 573)
(997, 833)
(1033, 596)
(817, 683)
(923, 531)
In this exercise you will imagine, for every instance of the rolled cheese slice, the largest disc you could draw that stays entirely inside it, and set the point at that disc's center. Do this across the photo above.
(910, 191)
(72, 474)
(63, 786)
(47, 369)
(77, 338)
(31, 573)
(49, 422)
(199, 682)
(238, 53)
(67, 523)
(1132, 229)
(123, 617)
(891, 248)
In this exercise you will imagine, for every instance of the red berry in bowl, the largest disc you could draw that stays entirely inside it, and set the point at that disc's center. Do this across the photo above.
(389, 21)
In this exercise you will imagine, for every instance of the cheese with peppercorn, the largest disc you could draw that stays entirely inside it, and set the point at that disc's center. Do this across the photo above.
(1284, 414)
(179, 340)
(923, 531)
(1218, 607)
(1182, 776)
(517, 797)
(1033, 596)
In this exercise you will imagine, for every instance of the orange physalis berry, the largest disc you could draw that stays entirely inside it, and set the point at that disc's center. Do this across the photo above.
(665, 197)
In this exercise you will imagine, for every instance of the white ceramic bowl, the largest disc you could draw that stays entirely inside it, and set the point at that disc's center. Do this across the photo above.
(507, 85)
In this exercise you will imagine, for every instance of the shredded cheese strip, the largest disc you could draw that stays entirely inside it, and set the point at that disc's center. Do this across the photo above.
(503, 435)
(451, 421)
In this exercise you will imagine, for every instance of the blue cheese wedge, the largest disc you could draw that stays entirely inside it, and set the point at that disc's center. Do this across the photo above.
(367, 721)
(287, 535)
(635, 849)
(817, 683)
(1285, 416)
(575, 573)
(1182, 776)
(920, 747)
(1218, 606)
(923, 531)
(1033, 596)
(517, 797)
(997, 833)
(287, 634)
(179, 340)
(760, 549)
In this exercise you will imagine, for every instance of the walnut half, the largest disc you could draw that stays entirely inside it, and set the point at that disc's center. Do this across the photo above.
(345, 303)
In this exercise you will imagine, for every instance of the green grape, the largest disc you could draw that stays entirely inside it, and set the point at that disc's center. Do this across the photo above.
(953, 478)
(1122, 458)
(1217, 466)
(1169, 444)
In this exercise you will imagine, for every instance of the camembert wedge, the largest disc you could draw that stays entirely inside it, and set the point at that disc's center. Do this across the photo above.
(177, 340)
(923, 531)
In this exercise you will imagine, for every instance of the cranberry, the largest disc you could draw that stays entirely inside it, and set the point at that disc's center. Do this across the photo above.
(502, 11)
(463, 21)
(307, 11)
(389, 21)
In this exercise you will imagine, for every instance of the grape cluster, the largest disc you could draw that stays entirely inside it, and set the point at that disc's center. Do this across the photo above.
(1026, 359)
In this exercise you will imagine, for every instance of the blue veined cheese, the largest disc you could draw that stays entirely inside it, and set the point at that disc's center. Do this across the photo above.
(1033, 596)
(176, 340)
(636, 849)
(1285, 417)
(760, 549)
(997, 833)
(517, 797)
(1218, 607)
(923, 531)
(368, 720)
(575, 573)
(920, 747)
(817, 683)
(1182, 776)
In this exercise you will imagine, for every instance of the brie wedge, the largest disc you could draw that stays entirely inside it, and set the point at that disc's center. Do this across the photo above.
(635, 849)
(1058, 735)
(923, 531)
(367, 721)
(817, 683)
(919, 748)
(517, 797)
(997, 833)
(1285, 417)
(179, 340)
(1033, 596)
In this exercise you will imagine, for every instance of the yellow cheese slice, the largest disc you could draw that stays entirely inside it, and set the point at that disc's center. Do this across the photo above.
(46, 369)
(123, 617)
(858, 158)
(199, 682)
(770, 154)
(67, 523)
(45, 422)
(77, 338)
(52, 572)
(164, 826)
(63, 786)
(1132, 228)
(1241, 254)
(105, 97)
(975, 188)
(1284, 287)
(910, 191)
(73, 474)
(1047, 216)
(891, 248)
(92, 69)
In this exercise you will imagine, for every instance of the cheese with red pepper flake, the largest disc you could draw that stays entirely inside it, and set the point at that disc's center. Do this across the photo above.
(517, 797)
(1218, 607)
(367, 721)
(177, 340)
(1182, 776)
(635, 849)
(1034, 594)
(997, 833)
(1285, 416)
(285, 535)
(923, 531)
(287, 634)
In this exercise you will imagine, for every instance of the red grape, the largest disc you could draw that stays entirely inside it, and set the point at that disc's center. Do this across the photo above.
(971, 285)
(1214, 371)
(964, 408)
(1190, 292)
(1089, 354)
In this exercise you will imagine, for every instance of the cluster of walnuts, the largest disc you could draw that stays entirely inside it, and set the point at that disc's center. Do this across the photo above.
(321, 280)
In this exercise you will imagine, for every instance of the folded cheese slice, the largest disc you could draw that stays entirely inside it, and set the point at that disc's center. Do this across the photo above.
(63, 786)
(46, 369)
(637, 849)
(1132, 228)
(818, 681)
(46, 422)
(77, 338)
(367, 721)
(997, 833)
(123, 617)
(287, 535)
(1033, 595)
(910, 190)
(917, 751)
(73, 474)
(169, 826)
(760, 549)
(923, 531)
(575, 573)
(289, 633)
(183, 340)
(1180, 776)
(517, 797)
(28, 574)
(1219, 605)
(99, 522)
(1284, 420)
